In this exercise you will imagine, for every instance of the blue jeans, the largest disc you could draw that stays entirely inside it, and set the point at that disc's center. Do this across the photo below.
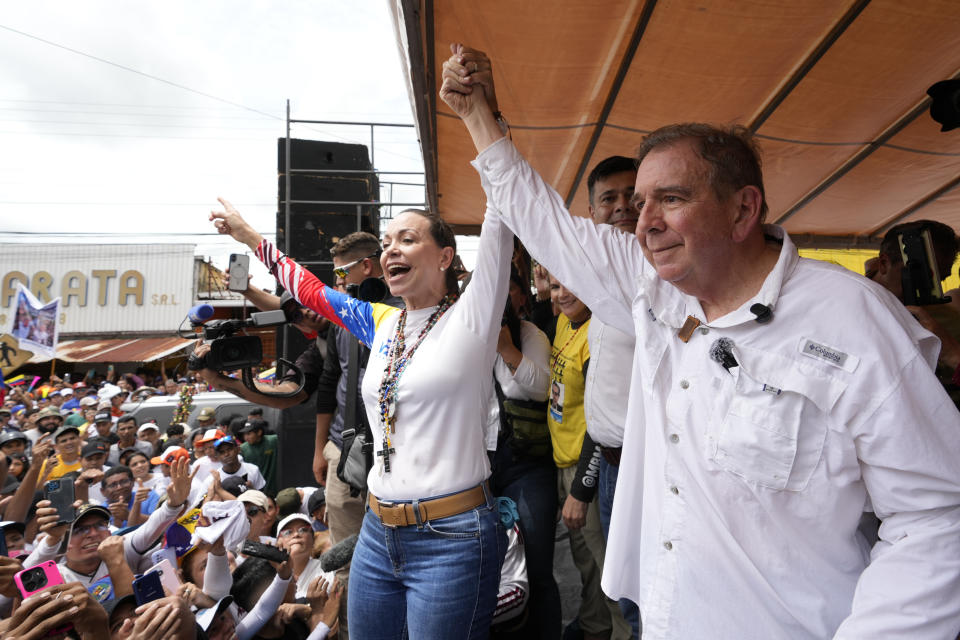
(431, 581)
(532, 484)
(607, 487)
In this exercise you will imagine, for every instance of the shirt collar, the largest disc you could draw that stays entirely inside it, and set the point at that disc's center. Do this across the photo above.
(671, 306)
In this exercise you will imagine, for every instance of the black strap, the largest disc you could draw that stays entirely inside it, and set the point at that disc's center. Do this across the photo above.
(353, 376)
(350, 411)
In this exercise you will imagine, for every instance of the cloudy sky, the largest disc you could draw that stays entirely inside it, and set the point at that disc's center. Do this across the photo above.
(95, 149)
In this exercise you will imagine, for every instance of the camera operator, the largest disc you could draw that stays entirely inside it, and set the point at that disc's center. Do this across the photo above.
(942, 320)
(310, 362)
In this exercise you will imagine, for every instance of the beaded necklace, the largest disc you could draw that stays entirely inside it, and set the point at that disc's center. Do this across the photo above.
(399, 357)
(556, 357)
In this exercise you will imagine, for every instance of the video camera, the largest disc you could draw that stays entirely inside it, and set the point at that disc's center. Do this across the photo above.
(229, 352)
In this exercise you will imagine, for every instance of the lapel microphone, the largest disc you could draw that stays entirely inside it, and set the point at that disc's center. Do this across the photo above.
(763, 312)
(722, 351)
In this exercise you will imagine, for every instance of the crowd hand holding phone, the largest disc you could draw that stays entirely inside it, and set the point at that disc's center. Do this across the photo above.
(238, 277)
(9, 567)
(324, 601)
(225, 283)
(168, 618)
(60, 493)
(49, 522)
(56, 608)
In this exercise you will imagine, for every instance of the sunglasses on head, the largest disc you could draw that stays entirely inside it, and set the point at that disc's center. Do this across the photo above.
(344, 271)
(224, 440)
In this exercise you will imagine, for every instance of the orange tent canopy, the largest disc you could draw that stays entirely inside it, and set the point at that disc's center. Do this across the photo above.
(834, 91)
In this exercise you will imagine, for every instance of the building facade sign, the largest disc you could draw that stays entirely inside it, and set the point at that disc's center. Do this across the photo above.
(107, 288)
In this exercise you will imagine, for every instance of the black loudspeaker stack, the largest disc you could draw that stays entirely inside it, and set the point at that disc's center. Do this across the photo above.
(329, 195)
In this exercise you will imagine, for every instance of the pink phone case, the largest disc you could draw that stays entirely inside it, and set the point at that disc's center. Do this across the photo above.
(168, 576)
(35, 584)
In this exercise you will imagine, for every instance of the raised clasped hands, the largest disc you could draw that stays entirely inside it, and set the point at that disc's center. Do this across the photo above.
(463, 72)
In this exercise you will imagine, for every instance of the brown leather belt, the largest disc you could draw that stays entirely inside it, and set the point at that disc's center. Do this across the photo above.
(402, 514)
(611, 455)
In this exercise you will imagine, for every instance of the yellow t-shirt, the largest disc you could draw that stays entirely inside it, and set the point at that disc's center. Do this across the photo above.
(565, 414)
(60, 469)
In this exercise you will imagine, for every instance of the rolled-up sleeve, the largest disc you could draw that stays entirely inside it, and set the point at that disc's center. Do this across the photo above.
(909, 458)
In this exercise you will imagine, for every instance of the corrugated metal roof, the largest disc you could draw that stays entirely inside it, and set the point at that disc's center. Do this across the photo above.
(116, 350)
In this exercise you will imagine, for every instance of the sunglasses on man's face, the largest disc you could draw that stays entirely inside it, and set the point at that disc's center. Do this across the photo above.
(344, 271)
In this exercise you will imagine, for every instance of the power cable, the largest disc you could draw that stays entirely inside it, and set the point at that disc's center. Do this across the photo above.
(141, 73)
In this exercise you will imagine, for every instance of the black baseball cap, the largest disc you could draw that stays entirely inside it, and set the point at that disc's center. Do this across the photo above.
(252, 425)
(93, 447)
(103, 416)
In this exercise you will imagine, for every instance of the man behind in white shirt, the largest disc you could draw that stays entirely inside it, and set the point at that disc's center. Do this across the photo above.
(610, 188)
(206, 455)
(772, 399)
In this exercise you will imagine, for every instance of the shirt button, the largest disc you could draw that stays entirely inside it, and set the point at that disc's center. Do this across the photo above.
(704, 330)
(668, 545)
(684, 384)
(674, 438)
(675, 491)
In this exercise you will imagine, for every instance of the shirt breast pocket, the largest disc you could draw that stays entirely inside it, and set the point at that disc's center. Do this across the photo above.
(775, 424)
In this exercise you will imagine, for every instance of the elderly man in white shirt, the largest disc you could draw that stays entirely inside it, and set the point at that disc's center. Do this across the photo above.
(772, 399)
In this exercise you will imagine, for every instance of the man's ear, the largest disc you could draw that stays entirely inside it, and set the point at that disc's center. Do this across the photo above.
(749, 203)
(883, 264)
(367, 267)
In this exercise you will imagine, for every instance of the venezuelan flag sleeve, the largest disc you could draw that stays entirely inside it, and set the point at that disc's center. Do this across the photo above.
(357, 317)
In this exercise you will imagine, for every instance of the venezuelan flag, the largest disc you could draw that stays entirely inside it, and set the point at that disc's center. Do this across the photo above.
(16, 380)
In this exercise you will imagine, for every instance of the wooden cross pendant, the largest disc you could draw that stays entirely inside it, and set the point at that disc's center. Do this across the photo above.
(385, 453)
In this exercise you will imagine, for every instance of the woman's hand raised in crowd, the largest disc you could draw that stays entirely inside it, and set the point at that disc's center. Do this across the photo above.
(180, 480)
(230, 222)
